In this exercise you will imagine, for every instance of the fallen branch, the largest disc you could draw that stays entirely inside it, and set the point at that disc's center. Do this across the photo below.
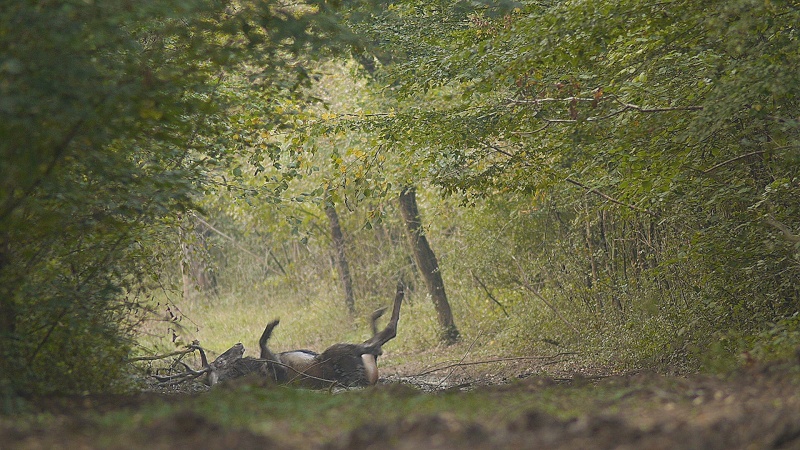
(496, 360)
(164, 356)
(182, 377)
(583, 378)
(472, 344)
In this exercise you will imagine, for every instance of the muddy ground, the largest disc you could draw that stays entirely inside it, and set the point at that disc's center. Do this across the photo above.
(754, 408)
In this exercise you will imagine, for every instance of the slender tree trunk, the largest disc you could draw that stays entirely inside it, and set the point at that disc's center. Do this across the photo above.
(428, 265)
(8, 317)
(195, 271)
(591, 278)
(341, 259)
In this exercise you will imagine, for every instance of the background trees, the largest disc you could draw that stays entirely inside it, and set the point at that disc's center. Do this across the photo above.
(613, 175)
(654, 136)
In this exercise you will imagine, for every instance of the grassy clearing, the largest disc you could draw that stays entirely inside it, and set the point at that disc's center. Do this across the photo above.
(314, 318)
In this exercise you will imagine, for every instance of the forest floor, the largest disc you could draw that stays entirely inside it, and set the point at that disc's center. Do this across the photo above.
(490, 404)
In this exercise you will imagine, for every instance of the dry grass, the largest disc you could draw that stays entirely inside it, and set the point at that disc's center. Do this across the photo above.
(308, 322)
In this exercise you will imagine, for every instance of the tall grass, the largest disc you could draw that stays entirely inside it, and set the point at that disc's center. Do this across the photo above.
(307, 321)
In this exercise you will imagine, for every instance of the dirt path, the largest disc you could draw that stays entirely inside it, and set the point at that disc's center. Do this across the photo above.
(757, 408)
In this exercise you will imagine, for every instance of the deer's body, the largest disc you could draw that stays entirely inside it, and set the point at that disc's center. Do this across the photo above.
(340, 364)
(344, 364)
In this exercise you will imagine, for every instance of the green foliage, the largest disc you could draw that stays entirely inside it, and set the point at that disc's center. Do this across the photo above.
(113, 118)
(645, 151)
(631, 168)
(780, 341)
(629, 171)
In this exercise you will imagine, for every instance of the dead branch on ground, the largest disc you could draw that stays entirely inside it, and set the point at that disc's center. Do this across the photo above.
(497, 360)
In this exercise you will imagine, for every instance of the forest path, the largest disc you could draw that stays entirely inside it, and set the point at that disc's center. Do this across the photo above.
(755, 408)
(487, 405)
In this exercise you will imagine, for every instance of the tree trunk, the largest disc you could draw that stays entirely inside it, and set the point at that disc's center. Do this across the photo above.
(428, 265)
(8, 316)
(341, 259)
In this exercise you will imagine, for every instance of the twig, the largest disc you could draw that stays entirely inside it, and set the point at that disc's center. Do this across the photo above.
(661, 109)
(531, 133)
(87, 277)
(157, 357)
(527, 286)
(587, 378)
(579, 184)
(625, 107)
(182, 377)
(734, 159)
(488, 293)
(552, 99)
(462, 359)
(500, 150)
(239, 246)
(299, 374)
(607, 197)
(492, 361)
(787, 233)
(13, 202)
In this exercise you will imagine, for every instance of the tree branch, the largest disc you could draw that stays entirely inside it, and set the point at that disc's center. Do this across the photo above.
(536, 293)
(625, 107)
(536, 131)
(240, 247)
(167, 355)
(488, 293)
(734, 159)
(551, 100)
(662, 109)
(58, 154)
(787, 233)
(609, 198)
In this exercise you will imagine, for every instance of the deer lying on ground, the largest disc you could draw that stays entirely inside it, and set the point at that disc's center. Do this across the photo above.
(347, 365)
(344, 364)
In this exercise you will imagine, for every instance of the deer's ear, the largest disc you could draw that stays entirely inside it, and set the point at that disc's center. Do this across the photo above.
(370, 368)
